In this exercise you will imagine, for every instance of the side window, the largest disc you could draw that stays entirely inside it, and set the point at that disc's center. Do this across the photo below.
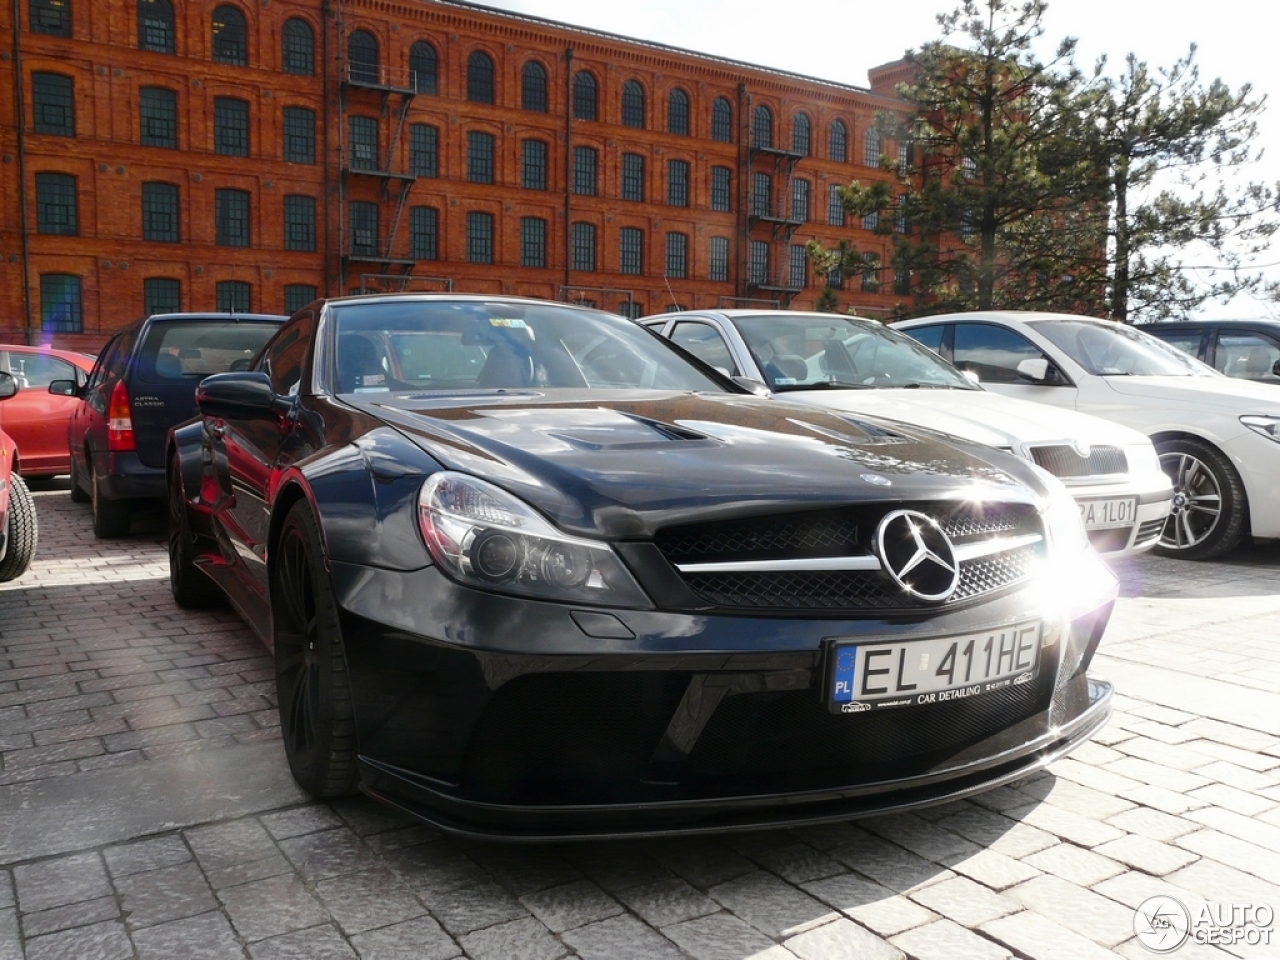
(705, 343)
(930, 336)
(39, 370)
(993, 353)
(1188, 343)
(111, 361)
(282, 358)
(1247, 355)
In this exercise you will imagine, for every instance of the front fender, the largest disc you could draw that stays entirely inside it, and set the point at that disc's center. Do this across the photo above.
(365, 496)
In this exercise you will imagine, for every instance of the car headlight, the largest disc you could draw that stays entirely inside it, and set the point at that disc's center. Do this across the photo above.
(1269, 427)
(1062, 522)
(487, 538)
(1143, 458)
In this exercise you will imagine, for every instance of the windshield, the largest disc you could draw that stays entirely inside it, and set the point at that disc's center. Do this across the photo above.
(1108, 349)
(799, 352)
(417, 345)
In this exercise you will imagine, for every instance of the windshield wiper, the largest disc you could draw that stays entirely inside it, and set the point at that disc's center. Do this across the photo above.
(822, 385)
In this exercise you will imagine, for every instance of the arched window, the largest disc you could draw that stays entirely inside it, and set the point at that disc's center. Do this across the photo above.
(762, 127)
(584, 96)
(298, 48)
(362, 57)
(533, 87)
(632, 104)
(479, 77)
(722, 121)
(422, 67)
(800, 135)
(871, 148)
(155, 26)
(230, 36)
(678, 113)
(838, 142)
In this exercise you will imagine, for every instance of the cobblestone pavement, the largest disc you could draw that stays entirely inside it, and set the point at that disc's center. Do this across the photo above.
(146, 810)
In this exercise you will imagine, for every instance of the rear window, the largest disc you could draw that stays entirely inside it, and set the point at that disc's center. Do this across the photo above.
(191, 350)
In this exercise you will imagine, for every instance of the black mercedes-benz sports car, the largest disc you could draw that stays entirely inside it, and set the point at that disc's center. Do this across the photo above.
(528, 570)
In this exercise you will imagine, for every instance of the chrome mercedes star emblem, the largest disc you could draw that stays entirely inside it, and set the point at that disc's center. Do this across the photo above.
(918, 555)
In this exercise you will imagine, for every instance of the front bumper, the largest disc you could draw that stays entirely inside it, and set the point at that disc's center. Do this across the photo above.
(1154, 499)
(495, 716)
(122, 476)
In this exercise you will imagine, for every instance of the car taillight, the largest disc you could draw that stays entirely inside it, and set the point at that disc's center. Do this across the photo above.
(119, 420)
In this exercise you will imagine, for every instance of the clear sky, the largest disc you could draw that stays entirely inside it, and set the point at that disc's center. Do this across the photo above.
(840, 39)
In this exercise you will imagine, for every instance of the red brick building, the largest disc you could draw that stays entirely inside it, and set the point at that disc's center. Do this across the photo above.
(250, 156)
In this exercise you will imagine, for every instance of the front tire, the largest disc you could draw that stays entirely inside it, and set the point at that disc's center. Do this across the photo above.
(111, 518)
(317, 720)
(190, 588)
(24, 531)
(1209, 502)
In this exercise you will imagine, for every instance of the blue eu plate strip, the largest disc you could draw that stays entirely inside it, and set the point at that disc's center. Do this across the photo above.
(842, 685)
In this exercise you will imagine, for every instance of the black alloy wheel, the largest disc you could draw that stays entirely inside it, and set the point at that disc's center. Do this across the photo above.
(313, 690)
(191, 588)
(111, 518)
(23, 531)
(1209, 504)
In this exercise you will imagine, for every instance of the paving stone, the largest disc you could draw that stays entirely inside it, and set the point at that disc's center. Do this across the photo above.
(1076, 864)
(1246, 828)
(268, 908)
(1101, 779)
(525, 939)
(146, 855)
(1069, 826)
(920, 837)
(274, 866)
(770, 905)
(8, 897)
(999, 833)
(798, 863)
(435, 867)
(329, 853)
(890, 865)
(465, 909)
(1132, 888)
(420, 939)
(992, 869)
(65, 880)
(10, 942)
(1245, 856)
(1233, 775)
(1076, 908)
(1152, 823)
(842, 940)
(100, 941)
(618, 866)
(300, 821)
(944, 940)
(74, 915)
(1031, 935)
(1145, 854)
(367, 900)
(667, 901)
(231, 844)
(206, 937)
(704, 864)
(317, 943)
(964, 901)
(620, 937)
(525, 869)
(718, 937)
(1161, 799)
(571, 905)
(166, 894)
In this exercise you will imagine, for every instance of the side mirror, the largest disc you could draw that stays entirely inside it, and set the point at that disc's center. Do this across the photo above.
(8, 385)
(63, 388)
(1037, 371)
(240, 396)
(1275, 369)
(754, 386)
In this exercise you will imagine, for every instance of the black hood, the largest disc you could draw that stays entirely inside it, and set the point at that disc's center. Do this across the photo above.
(623, 464)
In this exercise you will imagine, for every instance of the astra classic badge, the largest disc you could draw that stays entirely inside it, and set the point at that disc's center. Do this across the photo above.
(917, 555)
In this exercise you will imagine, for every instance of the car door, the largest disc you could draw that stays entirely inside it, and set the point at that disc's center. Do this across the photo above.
(1237, 353)
(707, 342)
(994, 352)
(34, 418)
(248, 454)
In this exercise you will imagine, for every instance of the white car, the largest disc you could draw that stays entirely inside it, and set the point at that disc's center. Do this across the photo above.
(1218, 437)
(861, 366)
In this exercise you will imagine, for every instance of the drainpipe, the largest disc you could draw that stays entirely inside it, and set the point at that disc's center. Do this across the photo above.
(568, 160)
(325, 13)
(20, 116)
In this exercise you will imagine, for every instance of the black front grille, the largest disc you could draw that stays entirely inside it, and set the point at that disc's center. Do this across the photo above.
(1149, 530)
(840, 533)
(1109, 541)
(1063, 461)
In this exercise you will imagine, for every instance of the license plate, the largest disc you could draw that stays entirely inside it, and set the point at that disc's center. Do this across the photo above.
(869, 676)
(1101, 514)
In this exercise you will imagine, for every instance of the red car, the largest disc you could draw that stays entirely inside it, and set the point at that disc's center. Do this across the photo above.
(35, 418)
(17, 509)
